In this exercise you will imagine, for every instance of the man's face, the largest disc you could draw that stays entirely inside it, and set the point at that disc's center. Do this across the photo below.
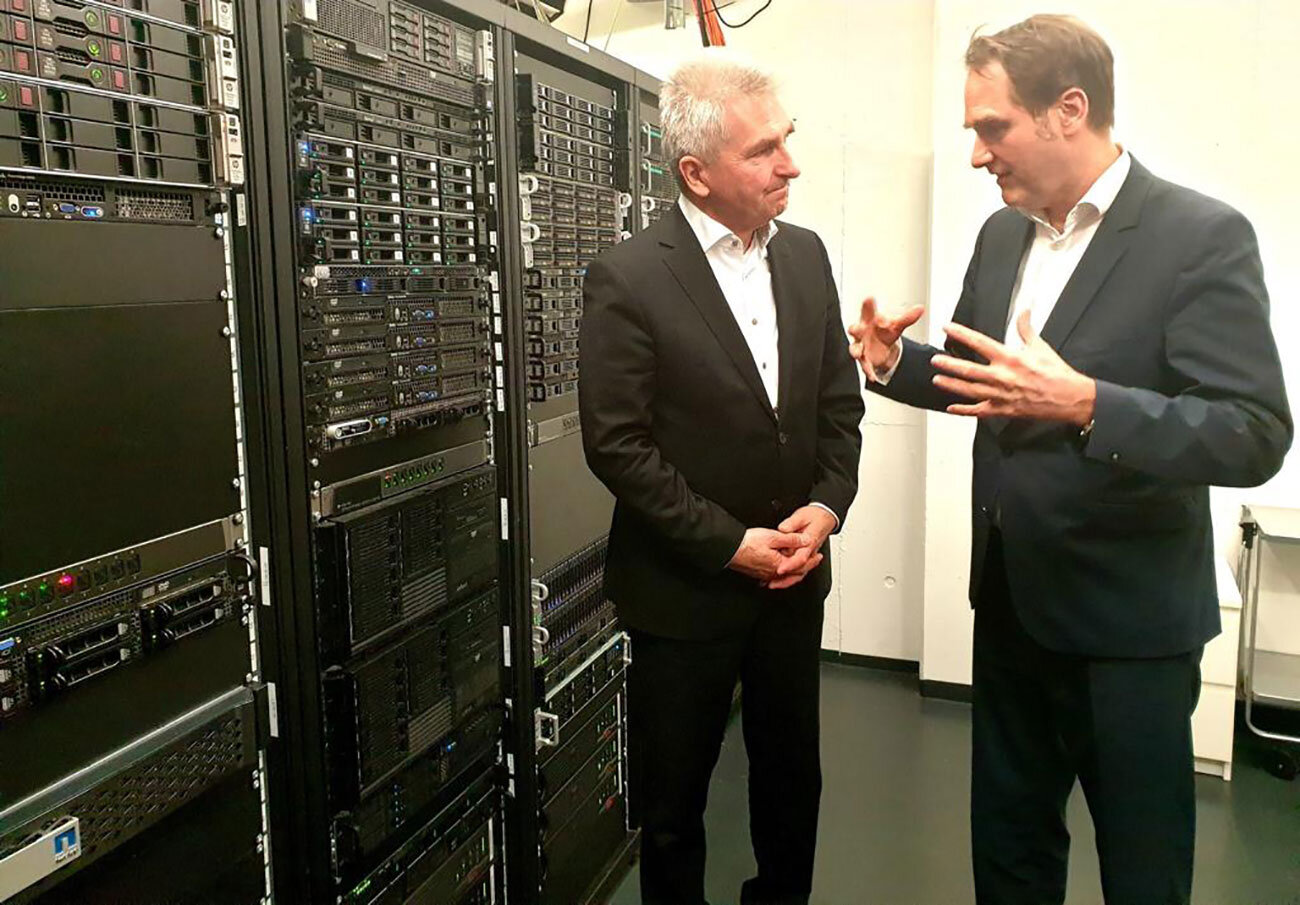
(748, 183)
(1024, 152)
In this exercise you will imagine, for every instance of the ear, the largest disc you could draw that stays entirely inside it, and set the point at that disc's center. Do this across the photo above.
(1072, 110)
(692, 170)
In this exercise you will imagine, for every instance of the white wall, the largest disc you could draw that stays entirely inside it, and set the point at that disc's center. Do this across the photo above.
(863, 143)
(1203, 98)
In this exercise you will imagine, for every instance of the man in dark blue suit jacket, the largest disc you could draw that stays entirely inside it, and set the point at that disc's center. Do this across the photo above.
(1112, 337)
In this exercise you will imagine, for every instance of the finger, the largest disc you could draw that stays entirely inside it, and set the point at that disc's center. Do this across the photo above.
(793, 579)
(794, 563)
(868, 368)
(990, 349)
(984, 409)
(855, 349)
(1024, 325)
(969, 370)
(908, 317)
(968, 389)
(794, 523)
(857, 330)
(868, 314)
(793, 541)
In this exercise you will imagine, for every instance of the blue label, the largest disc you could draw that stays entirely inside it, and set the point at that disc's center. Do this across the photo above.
(65, 842)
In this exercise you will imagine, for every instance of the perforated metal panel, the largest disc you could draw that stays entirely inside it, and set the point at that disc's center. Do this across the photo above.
(146, 205)
(144, 794)
(76, 192)
(363, 25)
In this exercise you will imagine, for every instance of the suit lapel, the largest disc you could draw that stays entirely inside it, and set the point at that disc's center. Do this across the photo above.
(785, 289)
(1007, 247)
(686, 260)
(1113, 238)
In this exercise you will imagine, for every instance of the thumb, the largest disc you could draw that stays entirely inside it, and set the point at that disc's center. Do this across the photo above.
(1025, 327)
(793, 522)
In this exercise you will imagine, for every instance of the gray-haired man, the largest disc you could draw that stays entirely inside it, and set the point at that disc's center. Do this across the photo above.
(721, 408)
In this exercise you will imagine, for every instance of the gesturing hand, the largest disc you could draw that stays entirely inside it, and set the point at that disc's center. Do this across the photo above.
(814, 523)
(1033, 382)
(875, 336)
(762, 552)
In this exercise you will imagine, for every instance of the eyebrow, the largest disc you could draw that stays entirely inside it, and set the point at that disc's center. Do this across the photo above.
(763, 144)
(988, 120)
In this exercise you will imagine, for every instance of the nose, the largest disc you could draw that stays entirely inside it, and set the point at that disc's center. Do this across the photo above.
(979, 155)
(786, 168)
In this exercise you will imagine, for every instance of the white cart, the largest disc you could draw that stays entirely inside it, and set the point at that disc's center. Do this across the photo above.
(1270, 679)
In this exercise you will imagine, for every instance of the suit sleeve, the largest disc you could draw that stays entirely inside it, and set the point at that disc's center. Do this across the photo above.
(615, 399)
(1230, 425)
(913, 381)
(839, 411)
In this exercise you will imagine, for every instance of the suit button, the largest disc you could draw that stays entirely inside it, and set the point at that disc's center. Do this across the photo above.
(783, 438)
(776, 505)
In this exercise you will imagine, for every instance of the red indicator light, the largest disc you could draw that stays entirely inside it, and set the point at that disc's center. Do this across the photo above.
(66, 580)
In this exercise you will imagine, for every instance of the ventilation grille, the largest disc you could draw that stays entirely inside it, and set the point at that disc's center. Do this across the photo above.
(135, 204)
(57, 191)
(365, 27)
(149, 791)
(332, 55)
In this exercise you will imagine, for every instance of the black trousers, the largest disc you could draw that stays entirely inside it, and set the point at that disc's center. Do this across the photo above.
(680, 695)
(1041, 720)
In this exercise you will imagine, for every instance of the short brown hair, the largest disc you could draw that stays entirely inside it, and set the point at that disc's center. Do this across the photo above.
(1044, 56)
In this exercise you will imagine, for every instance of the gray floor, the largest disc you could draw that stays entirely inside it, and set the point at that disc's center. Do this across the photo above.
(894, 811)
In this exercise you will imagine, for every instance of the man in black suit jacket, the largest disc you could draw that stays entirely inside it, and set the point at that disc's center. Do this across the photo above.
(1138, 367)
(721, 408)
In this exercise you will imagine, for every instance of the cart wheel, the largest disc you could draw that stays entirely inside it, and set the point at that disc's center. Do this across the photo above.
(1283, 764)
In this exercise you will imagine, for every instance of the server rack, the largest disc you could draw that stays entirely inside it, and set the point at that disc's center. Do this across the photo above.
(131, 693)
(372, 663)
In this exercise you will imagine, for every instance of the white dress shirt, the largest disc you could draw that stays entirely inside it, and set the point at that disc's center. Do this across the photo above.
(745, 279)
(1053, 255)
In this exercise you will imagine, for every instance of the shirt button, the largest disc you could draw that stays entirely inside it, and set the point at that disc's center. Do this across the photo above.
(764, 366)
(754, 322)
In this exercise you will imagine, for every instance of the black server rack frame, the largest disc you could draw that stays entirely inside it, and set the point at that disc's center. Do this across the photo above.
(122, 140)
(297, 503)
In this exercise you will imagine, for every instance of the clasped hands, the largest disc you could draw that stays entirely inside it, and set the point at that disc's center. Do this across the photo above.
(782, 557)
(1031, 382)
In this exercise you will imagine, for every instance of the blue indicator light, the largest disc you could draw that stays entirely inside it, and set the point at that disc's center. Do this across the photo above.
(93, 211)
(7, 643)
